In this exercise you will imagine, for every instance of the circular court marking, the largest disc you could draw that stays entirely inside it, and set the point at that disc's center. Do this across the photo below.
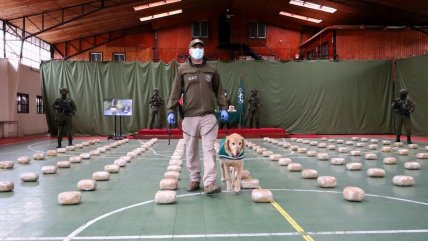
(154, 152)
(32, 149)
(7, 153)
(73, 235)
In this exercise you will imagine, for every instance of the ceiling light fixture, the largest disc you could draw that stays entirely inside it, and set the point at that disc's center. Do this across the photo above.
(161, 15)
(300, 17)
(313, 6)
(155, 4)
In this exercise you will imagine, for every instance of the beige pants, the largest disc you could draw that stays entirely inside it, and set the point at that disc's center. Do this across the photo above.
(205, 127)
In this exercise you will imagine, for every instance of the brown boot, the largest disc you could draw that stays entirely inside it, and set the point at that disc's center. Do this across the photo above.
(212, 188)
(193, 186)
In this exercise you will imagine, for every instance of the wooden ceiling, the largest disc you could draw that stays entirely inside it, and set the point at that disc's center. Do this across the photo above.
(57, 21)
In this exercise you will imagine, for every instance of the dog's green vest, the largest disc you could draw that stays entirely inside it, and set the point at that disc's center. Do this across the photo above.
(223, 154)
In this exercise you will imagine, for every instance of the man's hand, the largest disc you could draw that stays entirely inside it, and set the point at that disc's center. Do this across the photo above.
(224, 115)
(171, 118)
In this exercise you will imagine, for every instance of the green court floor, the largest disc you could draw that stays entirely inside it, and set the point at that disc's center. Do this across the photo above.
(123, 207)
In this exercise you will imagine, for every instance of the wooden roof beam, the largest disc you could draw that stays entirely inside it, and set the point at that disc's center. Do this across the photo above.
(95, 41)
(67, 15)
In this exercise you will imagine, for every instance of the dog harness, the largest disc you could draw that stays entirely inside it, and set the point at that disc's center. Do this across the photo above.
(223, 154)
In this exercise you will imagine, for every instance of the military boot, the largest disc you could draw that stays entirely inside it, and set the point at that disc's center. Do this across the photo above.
(409, 140)
(70, 142)
(397, 139)
(59, 144)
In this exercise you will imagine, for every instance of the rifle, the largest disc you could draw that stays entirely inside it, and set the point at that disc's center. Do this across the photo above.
(65, 106)
(403, 107)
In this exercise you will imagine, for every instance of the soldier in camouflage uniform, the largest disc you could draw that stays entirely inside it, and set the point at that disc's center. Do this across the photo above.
(155, 105)
(403, 107)
(64, 108)
(255, 103)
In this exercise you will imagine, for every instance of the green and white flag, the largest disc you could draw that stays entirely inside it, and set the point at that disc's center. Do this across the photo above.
(240, 104)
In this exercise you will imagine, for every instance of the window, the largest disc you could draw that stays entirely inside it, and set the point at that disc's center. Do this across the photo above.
(22, 103)
(39, 105)
(257, 30)
(324, 51)
(32, 53)
(200, 29)
(34, 50)
(312, 5)
(155, 4)
(13, 46)
(96, 57)
(310, 55)
(119, 57)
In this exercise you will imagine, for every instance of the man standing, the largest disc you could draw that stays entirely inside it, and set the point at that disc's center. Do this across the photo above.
(64, 109)
(255, 103)
(403, 107)
(155, 105)
(199, 82)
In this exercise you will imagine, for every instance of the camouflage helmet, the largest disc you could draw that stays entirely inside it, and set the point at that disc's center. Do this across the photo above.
(195, 42)
(403, 92)
(254, 91)
(63, 90)
(155, 90)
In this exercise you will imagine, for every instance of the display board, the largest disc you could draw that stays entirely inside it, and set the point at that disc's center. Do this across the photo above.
(117, 107)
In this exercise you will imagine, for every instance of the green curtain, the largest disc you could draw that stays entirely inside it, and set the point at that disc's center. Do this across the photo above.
(412, 74)
(90, 83)
(301, 97)
(317, 97)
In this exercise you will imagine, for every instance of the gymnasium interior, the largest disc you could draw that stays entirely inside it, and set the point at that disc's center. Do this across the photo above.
(324, 162)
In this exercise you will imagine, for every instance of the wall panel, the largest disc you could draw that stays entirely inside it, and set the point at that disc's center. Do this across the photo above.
(358, 44)
(380, 44)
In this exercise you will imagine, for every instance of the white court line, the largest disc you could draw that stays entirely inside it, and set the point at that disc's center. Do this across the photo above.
(5, 153)
(86, 225)
(72, 236)
(222, 235)
(336, 192)
(154, 152)
(32, 149)
(83, 227)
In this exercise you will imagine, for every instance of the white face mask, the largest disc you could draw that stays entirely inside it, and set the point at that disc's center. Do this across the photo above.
(197, 53)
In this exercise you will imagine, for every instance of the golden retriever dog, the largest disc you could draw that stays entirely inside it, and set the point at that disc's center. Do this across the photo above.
(231, 155)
